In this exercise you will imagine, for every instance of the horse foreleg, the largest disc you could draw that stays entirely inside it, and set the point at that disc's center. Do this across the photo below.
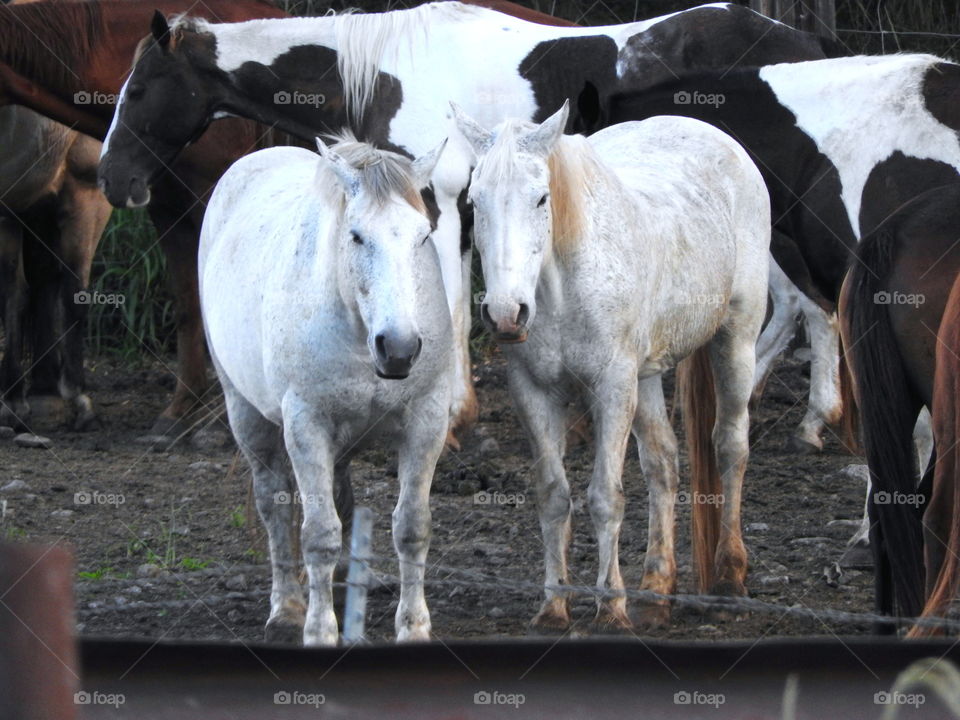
(613, 407)
(308, 446)
(84, 213)
(544, 419)
(179, 243)
(657, 444)
(274, 490)
(456, 272)
(411, 517)
(13, 291)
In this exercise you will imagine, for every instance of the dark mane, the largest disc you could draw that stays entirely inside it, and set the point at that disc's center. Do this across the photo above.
(49, 41)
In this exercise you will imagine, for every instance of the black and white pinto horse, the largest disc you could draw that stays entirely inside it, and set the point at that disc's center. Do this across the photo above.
(389, 77)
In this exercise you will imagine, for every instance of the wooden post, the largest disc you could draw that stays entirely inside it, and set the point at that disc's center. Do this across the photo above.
(815, 16)
(358, 575)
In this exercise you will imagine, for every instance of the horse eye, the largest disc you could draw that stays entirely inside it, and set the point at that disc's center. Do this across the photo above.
(135, 91)
(356, 238)
(543, 200)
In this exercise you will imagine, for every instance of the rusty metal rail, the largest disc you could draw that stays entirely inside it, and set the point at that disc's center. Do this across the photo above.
(542, 678)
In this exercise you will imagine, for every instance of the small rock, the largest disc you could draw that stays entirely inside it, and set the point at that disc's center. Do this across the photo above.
(856, 474)
(489, 446)
(134, 590)
(203, 466)
(7, 432)
(832, 575)
(237, 582)
(94, 604)
(236, 596)
(120, 600)
(844, 523)
(211, 439)
(496, 613)
(234, 615)
(757, 527)
(148, 570)
(14, 486)
(61, 513)
(708, 629)
(29, 440)
(810, 541)
(767, 580)
(180, 530)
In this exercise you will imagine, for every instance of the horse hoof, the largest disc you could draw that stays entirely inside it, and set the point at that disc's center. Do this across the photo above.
(731, 589)
(165, 431)
(284, 629)
(47, 411)
(86, 422)
(553, 618)
(799, 446)
(857, 557)
(611, 622)
(653, 617)
(15, 417)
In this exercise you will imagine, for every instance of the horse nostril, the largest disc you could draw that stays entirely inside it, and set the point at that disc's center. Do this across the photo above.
(523, 315)
(485, 315)
(381, 345)
(419, 347)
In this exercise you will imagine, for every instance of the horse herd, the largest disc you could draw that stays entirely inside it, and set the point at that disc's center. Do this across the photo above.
(725, 161)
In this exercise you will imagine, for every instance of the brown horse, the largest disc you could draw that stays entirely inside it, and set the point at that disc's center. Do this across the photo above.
(902, 358)
(51, 219)
(68, 62)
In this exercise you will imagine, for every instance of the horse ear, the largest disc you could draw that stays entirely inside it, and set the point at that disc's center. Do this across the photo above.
(423, 166)
(479, 137)
(348, 175)
(543, 138)
(160, 29)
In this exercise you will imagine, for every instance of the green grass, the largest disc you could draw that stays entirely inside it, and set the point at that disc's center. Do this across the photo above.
(129, 262)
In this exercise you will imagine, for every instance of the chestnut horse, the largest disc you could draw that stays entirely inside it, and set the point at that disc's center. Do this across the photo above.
(899, 308)
(68, 62)
(51, 219)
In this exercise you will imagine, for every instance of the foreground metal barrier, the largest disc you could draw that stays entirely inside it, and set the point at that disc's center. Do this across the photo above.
(542, 678)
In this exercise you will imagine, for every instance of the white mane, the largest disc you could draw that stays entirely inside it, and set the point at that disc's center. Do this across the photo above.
(364, 40)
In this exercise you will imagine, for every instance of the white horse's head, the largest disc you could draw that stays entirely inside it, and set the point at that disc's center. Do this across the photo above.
(382, 245)
(515, 214)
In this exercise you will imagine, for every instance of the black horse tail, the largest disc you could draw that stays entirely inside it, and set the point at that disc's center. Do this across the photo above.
(888, 412)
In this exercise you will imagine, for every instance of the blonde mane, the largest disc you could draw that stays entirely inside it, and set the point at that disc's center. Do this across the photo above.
(570, 164)
(384, 174)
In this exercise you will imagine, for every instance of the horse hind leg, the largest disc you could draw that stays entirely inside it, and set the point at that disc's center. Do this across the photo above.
(84, 213)
(613, 410)
(274, 490)
(657, 445)
(779, 331)
(732, 359)
(825, 406)
(14, 411)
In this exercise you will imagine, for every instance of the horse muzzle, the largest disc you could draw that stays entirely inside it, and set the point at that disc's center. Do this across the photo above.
(395, 355)
(504, 329)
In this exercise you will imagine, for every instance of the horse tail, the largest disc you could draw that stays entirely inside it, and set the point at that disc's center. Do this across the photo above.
(698, 397)
(850, 418)
(943, 508)
(887, 416)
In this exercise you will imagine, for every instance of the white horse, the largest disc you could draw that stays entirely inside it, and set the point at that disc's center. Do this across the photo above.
(606, 261)
(328, 326)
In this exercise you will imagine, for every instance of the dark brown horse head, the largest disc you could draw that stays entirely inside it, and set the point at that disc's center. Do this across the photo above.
(166, 104)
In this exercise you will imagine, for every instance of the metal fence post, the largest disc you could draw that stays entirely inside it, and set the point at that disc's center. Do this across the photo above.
(358, 575)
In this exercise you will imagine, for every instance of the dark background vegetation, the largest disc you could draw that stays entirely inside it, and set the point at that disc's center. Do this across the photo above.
(130, 261)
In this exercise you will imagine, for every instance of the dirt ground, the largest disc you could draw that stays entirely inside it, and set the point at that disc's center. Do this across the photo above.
(167, 547)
